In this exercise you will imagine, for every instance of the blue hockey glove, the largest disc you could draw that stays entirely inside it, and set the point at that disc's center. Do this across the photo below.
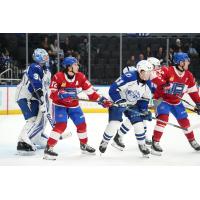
(147, 115)
(104, 102)
(197, 108)
(121, 103)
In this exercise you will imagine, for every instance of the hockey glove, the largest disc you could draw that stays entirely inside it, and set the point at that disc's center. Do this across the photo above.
(197, 108)
(121, 103)
(147, 115)
(104, 102)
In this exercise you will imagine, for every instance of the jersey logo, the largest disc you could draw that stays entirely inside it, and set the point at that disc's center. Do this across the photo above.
(132, 96)
(171, 79)
(176, 89)
(63, 84)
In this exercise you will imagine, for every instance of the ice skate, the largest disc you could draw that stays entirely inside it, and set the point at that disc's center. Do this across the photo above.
(117, 142)
(195, 145)
(156, 148)
(49, 154)
(103, 146)
(25, 149)
(144, 150)
(86, 149)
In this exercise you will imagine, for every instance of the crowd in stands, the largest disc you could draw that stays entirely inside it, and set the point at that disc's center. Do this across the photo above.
(105, 52)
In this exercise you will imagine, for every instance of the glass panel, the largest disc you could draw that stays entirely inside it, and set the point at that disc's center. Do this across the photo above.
(12, 57)
(105, 58)
(136, 47)
(76, 45)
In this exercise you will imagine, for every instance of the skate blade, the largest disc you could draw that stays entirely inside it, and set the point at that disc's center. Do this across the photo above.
(65, 135)
(25, 153)
(48, 157)
(87, 153)
(145, 155)
(155, 153)
(117, 147)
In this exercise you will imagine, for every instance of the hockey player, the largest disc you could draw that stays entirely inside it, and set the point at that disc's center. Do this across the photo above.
(174, 82)
(126, 126)
(35, 82)
(129, 90)
(63, 88)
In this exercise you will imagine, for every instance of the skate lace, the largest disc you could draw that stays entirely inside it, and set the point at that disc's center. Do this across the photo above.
(156, 144)
(104, 144)
(51, 149)
(194, 144)
(88, 147)
(143, 147)
(120, 140)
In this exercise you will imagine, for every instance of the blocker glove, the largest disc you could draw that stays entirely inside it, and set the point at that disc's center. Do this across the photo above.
(104, 102)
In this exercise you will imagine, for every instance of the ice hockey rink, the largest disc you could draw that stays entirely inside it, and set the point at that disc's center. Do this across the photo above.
(177, 151)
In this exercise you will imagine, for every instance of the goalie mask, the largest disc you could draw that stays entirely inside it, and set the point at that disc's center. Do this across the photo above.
(40, 56)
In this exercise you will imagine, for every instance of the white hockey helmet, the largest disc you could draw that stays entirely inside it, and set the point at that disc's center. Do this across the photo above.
(154, 61)
(129, 69)
(40, 56)
(144, 65)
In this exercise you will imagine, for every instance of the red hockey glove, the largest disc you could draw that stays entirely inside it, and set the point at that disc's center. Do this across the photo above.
(104, 102)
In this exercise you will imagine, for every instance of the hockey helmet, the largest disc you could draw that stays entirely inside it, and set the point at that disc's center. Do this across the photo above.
(68, 61)
(40, 56)
(144, 65)
(154, 61)
(180, 56)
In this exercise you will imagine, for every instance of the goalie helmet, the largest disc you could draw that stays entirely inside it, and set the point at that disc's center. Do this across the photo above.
(154, 61)
(40, 56)
(144, 65)
(68, 61)
(180, 56)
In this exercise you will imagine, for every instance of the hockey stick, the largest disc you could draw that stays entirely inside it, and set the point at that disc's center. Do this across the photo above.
(193, 110)
(168, 123)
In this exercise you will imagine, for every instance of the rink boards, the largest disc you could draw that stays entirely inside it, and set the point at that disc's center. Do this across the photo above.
(8, 104)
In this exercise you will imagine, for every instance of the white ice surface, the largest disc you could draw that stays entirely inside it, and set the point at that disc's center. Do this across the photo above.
(177, 151)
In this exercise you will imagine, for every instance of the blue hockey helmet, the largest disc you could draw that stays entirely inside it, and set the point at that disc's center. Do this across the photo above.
(180, 56)
(68, 61)
(40, 56)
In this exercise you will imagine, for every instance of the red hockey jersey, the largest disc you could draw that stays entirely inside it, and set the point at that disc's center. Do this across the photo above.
(180, 84)
(60, 81)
